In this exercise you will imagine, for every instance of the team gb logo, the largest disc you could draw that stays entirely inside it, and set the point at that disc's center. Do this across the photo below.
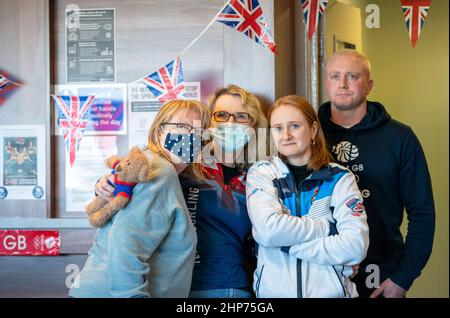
(345, 151)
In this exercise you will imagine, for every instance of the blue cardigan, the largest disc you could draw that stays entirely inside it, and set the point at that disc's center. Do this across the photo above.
(147, 249)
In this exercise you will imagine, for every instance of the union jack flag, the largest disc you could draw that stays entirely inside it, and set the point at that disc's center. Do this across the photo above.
(72, 118)
(312, 11)
(7, 86)
(3, 81)
(415, 13)
(167, 83)
(246, 16)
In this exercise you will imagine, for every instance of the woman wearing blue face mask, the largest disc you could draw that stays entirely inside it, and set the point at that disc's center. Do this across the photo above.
(147, 249)
(224, 263)
(217, 205)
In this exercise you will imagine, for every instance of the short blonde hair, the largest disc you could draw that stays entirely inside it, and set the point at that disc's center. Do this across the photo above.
(166, 113)
(251, 104)
(348, 52)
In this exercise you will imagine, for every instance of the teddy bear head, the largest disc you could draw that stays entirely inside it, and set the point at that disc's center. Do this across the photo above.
(132, 168)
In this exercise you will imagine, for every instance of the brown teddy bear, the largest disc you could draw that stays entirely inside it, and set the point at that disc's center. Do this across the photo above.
(127, 172)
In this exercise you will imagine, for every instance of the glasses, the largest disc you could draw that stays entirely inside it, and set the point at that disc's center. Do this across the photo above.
(180, 128)
(239, 117)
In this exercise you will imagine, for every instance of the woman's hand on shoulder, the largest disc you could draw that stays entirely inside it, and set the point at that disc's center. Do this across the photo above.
(105, 189)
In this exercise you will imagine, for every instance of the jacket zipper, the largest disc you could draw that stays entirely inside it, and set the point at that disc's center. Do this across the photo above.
(259, 281)
(299, 261)
(340, 282)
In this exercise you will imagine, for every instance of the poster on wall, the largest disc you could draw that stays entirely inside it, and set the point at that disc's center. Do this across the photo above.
(144, 106)
(22, 162)
(87, 169)
(90, 45)
(108, 115)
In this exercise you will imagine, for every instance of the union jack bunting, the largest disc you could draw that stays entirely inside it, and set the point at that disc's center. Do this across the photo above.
(415, 13)
(3, 81)
(312, 11)
(7, 86)
(246, 16)
(73, 112)
(167, 83)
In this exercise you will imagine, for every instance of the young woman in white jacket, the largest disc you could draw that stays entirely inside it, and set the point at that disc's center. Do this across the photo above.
(307, 213)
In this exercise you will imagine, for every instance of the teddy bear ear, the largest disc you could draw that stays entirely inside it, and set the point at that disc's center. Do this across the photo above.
(111, 161)
(135, 150)
(143, 173)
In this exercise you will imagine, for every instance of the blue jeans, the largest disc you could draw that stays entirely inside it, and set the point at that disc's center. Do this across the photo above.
(220, 293)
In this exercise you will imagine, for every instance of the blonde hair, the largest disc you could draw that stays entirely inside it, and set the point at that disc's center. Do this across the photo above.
(249, 101)
(320, 157)
(358, 55)
(251, 104)
(166, 113)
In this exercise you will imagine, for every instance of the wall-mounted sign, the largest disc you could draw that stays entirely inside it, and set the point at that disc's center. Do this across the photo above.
(22, 162)
(29, 242)
(88, 168)
(90, 45)
(108, 115)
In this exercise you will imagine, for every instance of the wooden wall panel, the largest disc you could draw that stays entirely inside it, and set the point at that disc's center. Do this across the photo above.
(150, 34)
(285, 38)
(76, 241)
(24, 54)
(32, 277)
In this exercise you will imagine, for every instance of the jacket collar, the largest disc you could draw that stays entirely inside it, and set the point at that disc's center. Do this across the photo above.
(321, 174)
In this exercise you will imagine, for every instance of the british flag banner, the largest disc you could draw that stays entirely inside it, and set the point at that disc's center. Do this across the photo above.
(167, 83)
(246, 16)
(7, 85)
(3, 81)
(73, 113)
(312, 12)
(415, 13)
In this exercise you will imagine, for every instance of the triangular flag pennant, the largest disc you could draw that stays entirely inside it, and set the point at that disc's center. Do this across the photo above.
(3, 81)
(246, 16)
(7, 85)
(312, 11)
(415, 13)
(73, 113)
(167, 83)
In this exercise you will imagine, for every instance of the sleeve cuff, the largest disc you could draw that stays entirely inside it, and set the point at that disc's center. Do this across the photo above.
(402, 280)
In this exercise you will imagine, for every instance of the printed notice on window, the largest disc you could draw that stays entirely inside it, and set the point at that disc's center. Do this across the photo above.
(90, 45)
(87, 169)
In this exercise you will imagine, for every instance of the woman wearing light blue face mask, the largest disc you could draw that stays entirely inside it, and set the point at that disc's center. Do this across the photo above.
(224, 263)
(231, 131)
(148, 248)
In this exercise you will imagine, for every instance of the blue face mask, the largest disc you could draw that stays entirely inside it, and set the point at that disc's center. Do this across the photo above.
(231, 137)
(187, 147)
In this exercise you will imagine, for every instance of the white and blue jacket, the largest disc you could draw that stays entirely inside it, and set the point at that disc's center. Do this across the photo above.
(308, 237)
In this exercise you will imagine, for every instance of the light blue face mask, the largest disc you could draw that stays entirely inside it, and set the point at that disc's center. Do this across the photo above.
(231, 137)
